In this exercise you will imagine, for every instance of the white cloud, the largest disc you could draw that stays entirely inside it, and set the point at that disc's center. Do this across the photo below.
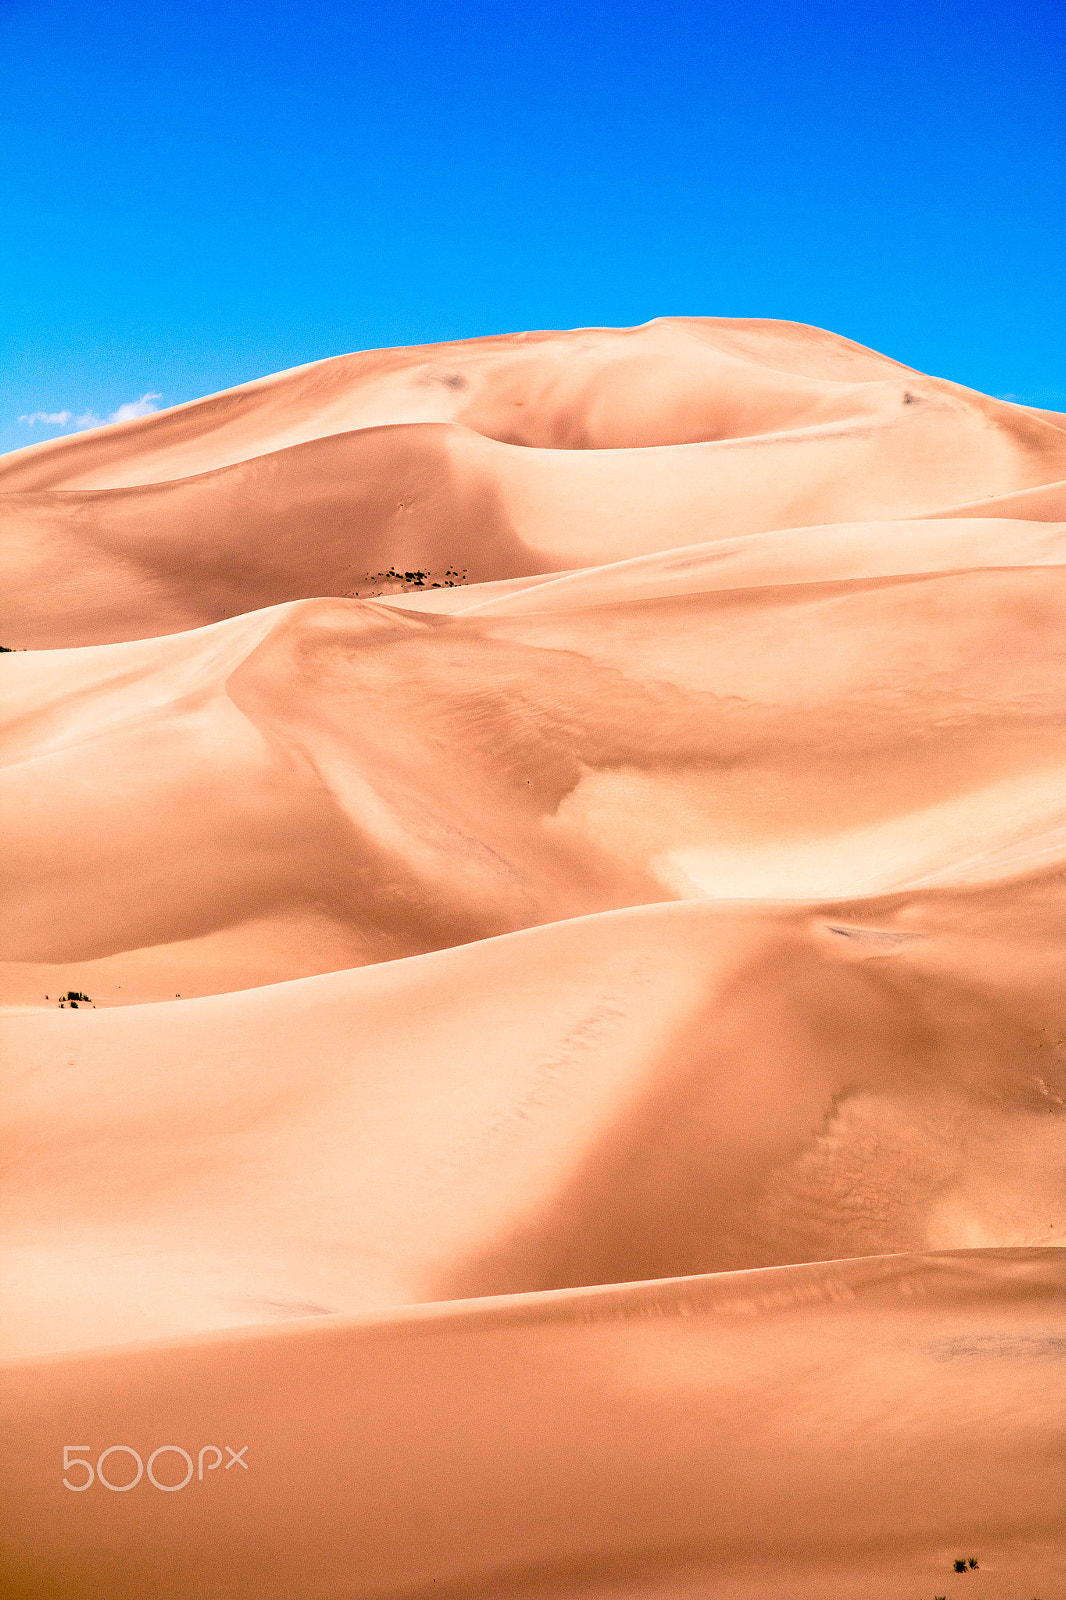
(135, 408)
(1040, 398)
(54, 419)
(88, 419)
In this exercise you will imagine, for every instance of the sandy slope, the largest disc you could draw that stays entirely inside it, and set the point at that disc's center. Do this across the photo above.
(392, 781)
(315, 482)
(577, 1081)
(632, 1095)
(674, 380)
(807, 1431)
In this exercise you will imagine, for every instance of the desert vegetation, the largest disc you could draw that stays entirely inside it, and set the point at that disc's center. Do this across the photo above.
(394, 581)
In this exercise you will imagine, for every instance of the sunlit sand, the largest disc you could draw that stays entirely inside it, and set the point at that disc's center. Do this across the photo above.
(563, 838)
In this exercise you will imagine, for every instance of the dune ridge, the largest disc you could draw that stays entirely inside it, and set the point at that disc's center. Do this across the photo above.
(557, 843)
(500, 458)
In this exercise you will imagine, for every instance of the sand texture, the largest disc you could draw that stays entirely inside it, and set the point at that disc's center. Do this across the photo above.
(559, 841)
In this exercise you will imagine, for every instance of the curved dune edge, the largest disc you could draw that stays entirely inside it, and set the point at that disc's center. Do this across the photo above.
(569, 809)
(631, 1095)
(808, 1430)
(492, 461)
(805, 715)
(333, 516)
(670, 380)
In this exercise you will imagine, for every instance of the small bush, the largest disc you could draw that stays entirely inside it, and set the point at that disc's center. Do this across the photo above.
(74, 998)
(418, 579)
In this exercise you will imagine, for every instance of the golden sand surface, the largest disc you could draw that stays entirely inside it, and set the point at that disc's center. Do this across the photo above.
(559, 844)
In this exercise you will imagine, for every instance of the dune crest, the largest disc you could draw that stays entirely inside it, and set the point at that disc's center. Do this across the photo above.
(531, 980)
(497, 458)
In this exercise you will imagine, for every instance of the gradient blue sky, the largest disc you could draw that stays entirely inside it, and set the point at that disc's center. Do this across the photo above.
(196, 194)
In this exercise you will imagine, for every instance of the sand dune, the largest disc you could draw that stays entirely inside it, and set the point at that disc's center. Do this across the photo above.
(319, 481)
(399, 781)
(625, 1096)
(672, 381)
(564, 837)
(810, 1431)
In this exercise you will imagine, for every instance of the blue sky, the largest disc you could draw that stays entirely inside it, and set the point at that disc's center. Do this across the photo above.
(195, 194)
